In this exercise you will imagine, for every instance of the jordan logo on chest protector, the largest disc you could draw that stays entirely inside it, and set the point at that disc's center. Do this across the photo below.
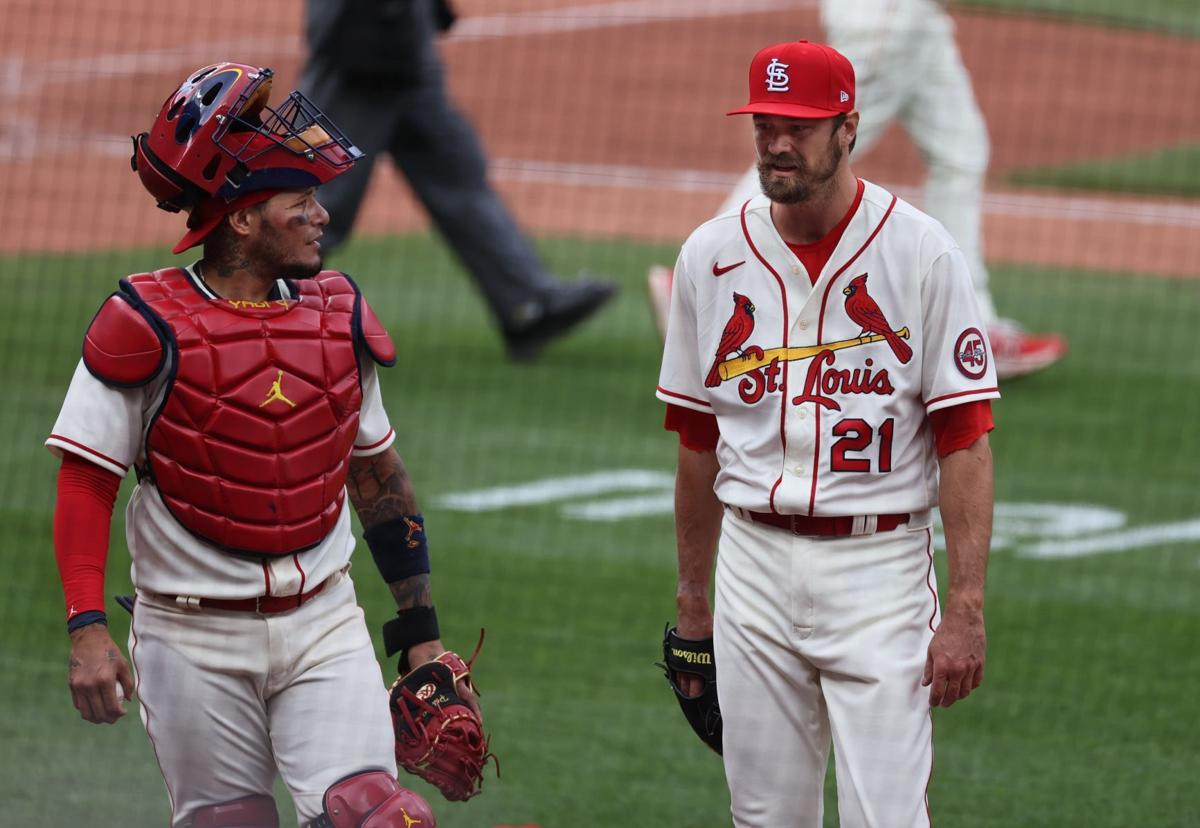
(276, 393)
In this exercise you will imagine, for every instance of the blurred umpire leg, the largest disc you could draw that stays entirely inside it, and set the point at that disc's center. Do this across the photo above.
(440, 156)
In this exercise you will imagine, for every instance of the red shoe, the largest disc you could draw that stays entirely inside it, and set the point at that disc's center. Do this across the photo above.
(1019, 352)
(658, 285)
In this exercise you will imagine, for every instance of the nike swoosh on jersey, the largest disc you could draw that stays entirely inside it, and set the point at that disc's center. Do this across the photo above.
(721, 271)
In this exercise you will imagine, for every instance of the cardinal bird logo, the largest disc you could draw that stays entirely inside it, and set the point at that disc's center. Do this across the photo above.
(737, 331)
(864, 312)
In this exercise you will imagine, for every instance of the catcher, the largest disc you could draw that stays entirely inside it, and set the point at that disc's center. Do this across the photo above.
(243, 391)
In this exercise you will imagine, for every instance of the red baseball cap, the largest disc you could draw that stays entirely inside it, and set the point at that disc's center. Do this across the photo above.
(800, 80)
(208, 212)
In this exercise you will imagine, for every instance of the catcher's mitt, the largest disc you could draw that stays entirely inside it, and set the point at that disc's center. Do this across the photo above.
(703, 712)
(438, 736)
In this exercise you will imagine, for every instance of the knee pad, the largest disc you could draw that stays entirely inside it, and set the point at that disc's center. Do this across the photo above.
(373, 799)
(257, 811)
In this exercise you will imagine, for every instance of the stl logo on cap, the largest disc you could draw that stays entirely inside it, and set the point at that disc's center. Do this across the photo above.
(777, 76)
(799, 80)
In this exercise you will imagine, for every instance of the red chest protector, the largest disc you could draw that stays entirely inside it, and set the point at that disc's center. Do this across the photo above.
(250, 444)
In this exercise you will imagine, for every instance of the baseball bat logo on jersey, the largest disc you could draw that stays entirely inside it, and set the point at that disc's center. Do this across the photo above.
(762, 370)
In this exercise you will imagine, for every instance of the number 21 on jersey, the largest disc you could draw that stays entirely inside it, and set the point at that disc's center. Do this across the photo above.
(852, 452)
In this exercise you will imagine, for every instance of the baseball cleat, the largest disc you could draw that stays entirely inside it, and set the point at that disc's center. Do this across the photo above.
(658, 284)
(1018, 352)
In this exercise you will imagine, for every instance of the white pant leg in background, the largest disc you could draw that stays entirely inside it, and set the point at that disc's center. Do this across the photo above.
(230, 698)
(908, 67)
(820, 641)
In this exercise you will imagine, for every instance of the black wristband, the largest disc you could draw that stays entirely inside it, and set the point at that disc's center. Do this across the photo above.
(409, 627)
(399, 547)
(85, 619)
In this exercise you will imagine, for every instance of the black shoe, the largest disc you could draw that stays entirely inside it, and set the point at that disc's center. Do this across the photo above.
(559, 311)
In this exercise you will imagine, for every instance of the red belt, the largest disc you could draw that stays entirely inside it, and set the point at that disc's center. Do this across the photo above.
(833, 527)
(264, 604)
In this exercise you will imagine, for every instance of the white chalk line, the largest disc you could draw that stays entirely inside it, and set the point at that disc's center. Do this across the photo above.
(1043, 531)
(25, 78)
(609, 15)
(21, 77)
(1078, 208)
(22, 144)
(553, 489)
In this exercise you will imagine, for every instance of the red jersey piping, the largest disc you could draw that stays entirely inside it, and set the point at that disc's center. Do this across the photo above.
(662, 390)
(783, 396)
(91, 451)
(812, 496)
(960, 394)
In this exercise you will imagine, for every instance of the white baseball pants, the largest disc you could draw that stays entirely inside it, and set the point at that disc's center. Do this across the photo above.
(822, 641)
(231, 698)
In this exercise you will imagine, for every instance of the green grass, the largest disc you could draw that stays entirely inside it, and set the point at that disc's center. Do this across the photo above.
(1176, 16)
(1086, 717)
(1172, 171)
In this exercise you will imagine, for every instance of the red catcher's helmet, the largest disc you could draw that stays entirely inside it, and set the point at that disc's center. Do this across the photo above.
(217, 136)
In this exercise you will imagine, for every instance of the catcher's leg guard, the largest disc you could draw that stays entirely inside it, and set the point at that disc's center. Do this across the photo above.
(257, 811)
(373, 799)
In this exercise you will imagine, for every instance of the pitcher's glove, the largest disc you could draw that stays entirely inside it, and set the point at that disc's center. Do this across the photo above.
(438, 736)
(685, 655)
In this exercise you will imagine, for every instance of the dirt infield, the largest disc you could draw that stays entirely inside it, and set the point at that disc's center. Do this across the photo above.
(601, 117)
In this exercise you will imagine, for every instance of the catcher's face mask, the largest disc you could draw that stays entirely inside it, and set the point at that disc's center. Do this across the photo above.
(217, 136)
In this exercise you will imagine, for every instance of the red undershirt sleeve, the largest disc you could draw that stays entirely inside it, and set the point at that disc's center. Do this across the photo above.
(958, 426)
(697, 431)
(82, 519)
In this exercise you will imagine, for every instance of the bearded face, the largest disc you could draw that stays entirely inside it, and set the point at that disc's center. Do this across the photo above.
(287, 242)
(798, 158)
(790, 178)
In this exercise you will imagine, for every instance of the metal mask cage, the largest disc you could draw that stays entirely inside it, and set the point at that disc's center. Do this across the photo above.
(297, 125)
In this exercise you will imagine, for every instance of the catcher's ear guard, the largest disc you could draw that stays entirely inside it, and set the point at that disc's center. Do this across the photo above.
(703, 712)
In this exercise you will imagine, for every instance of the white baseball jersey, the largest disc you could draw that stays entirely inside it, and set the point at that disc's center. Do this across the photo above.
(108, 427)
(821, 390)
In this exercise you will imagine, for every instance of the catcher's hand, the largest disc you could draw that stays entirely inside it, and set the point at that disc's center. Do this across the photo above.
(439, 733)
(688, 657)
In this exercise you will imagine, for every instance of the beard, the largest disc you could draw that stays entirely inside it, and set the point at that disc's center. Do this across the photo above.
(805, 183)
(300, 270)
(271, 247)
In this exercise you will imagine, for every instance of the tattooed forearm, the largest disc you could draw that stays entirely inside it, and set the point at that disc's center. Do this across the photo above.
(411, 592)
(379, 488)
